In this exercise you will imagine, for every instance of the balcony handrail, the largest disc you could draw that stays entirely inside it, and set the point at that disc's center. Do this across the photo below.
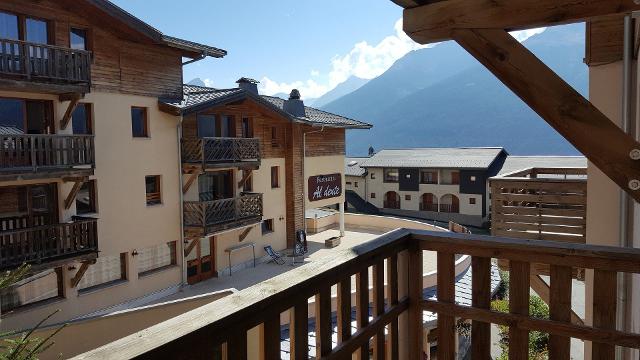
(220, 149)
(206, 213)
(199, 332)
(35, 151)
(49, 46)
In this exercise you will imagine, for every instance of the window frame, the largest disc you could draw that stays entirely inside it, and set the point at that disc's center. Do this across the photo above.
(88, 45)
(174, 260)
(93, 198)
(145, 123)
(407, 197)
(88, 110)
(472, 201)
(123, 278)
(22, 25)
(275, 177)
(373, 195)
(59, 296)
(385, 175)
(158, 193)
(267, 226)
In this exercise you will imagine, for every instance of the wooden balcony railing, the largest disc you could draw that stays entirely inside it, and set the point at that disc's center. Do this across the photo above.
(220, 151)
(226, 328)
(42, 246)
(540, 203)
(391, 204)
(217, 215)
(449, 208)
(43, 153)
(428, 207)
(45, 63)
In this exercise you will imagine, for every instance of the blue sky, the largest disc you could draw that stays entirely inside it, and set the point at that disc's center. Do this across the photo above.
(312, 45)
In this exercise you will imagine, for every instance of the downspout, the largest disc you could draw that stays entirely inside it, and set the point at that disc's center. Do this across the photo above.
(623, 278)
(183, 267)
(304, 155)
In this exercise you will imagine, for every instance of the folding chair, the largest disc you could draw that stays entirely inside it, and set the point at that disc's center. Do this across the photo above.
(276, 257)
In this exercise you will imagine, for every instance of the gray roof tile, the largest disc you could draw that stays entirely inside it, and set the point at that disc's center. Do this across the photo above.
(352, 166)
(455, 158)
(514, 163)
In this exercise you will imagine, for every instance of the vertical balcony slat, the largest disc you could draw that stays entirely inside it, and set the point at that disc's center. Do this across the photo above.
(237, 345)
(271, 337)
(378, 307)
(519, 284)
(560, 310)
(446, 293)
(415, 272)
(362, 307)
(300, 344)
(481, 298)
(604, 310)
(392, 296)
(344, 310)
(323, 322)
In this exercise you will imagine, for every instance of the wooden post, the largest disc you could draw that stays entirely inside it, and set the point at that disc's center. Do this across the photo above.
(446, 293)
(344, 310)
(604, 310)
(518, 304)
(481, 298)
(378, 307)
(362, 308)
(560, 310)
(403, 291)
(415, 300)
(392, 298)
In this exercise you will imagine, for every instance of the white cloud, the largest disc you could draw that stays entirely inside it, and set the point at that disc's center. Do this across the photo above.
(522, 35)
(208, 82)
(364, 60)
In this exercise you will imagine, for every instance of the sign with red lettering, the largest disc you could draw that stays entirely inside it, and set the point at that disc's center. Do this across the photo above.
(322, 187)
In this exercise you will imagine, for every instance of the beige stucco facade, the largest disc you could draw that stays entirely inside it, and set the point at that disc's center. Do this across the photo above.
(125, 222)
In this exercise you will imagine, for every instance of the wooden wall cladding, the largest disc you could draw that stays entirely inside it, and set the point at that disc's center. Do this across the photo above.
(604, 40)
(119, 64)
(328, 142)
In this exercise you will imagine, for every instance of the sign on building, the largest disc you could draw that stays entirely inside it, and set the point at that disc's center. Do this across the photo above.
(324, 186)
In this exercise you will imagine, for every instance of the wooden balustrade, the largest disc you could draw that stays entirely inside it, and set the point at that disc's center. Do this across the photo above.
(44, 245)
(540, 203)
(41, 62)
(211, 216)
(428, 207)
(42, 153)
(212, 152)
(389, 322)
(449, 208)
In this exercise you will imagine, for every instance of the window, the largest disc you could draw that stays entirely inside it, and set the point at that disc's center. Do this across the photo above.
(107, 270)
(21, 116)
(428, 177)
(455, 178)
(227, 126)
(139, 122)
(275, 139)
(248, 183)
(373, 195)
(407, 197)
(152, 184)
(472, 178)
(373, 176)
(156, 258)
(216, 185)
(9, 26)
(355, 184)
(472, 201)
(348, 182)
(86, 198)
(81, 120)
(41, 287)
(247, 128)
(36, 31)
(267, 226)
(78, 39)
(275, 181)
(391, 175)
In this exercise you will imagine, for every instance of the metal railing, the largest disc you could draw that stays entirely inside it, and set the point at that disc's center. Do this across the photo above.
(43, 62)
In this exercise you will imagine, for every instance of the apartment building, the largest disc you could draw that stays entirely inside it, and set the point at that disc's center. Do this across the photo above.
(437, 183)
(100, 143)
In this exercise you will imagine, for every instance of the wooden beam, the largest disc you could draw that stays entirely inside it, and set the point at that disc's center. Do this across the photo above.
(190, 181)
(436, 22)
(191, 246)
(243, 234)
(544, 292)
(568, 112)
(246, 174)
(73, 193)
(80, 273)
(73, 102)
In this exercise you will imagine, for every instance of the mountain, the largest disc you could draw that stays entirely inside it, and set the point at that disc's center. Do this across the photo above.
(441, 96)
(348, 86)
(196, 82)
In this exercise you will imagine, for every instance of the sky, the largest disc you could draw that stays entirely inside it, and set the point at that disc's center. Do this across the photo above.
(311, 45)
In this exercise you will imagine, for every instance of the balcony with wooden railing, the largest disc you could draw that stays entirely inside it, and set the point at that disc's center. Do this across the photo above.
(46, 156)
(27, 66)
(202, 218)
(48, 246)
(383, 318)
(221, 152)
(540, 204)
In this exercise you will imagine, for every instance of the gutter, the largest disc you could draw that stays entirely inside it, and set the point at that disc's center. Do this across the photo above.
(183, 267)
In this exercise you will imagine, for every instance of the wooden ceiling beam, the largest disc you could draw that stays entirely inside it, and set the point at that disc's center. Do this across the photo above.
(568, 112)
(435, 22)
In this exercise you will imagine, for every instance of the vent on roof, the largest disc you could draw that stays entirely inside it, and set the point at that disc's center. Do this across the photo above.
(352, 163)
(294, 105)
(249, 85)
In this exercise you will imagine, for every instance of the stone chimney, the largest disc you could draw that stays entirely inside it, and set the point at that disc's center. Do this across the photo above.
(294, 105)
(249, 85)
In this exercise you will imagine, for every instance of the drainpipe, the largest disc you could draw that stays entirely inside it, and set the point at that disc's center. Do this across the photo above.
(624, 282)
(304, 156)
(183, 268)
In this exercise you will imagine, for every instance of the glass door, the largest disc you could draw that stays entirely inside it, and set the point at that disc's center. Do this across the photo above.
(200, 260)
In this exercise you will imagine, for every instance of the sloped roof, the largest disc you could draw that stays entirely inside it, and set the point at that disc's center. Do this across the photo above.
(454, 158)
(196, 98)
(152, 33)
(514, 163)
(352, 166)
(10, 130)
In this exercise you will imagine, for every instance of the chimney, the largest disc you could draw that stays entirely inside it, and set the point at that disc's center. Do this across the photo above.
(294, 105)
(248, 85)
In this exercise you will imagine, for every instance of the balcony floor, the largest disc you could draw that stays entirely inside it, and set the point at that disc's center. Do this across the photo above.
(264, 271)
